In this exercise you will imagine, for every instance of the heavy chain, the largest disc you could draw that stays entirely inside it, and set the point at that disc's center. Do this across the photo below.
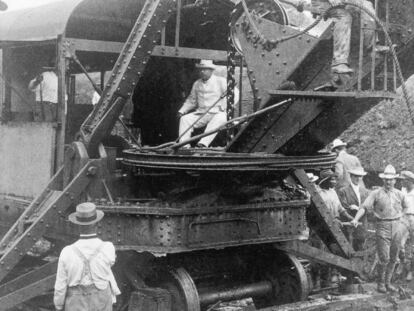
(231, 83)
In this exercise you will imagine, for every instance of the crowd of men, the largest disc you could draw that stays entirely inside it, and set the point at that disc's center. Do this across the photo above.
(347, 198)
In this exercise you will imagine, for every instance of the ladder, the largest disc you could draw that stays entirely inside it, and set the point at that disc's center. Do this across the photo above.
(127, 72)
(55, 200)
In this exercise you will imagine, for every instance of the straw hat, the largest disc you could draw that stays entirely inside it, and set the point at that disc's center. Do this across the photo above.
(389, 172)
(338, 143)
(407, 175)
(312, 177)
(207, 64)
(86, 214)
(357, 171)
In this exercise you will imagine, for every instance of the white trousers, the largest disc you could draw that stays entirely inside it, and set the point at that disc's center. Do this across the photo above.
(212, 120)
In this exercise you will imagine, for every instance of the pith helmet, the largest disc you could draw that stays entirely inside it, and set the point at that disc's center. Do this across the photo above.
(337, 143)
(357, 171)
(86, 214)
(408, 175)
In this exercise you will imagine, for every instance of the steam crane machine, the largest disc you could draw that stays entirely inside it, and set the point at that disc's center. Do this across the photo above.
(196, 226)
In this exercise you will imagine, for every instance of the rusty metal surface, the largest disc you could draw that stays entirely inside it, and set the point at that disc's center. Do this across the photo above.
(174, 230)
(19, 240)
(205, 160)
(126, 72)
(32, 284)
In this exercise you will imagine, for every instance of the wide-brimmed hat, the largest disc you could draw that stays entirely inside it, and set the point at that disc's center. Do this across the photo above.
(206, 63)
(337, 143)
(312, 177)
(325, 175)
(357, 171)
(407, 175)
(86, 214)
(389, 173)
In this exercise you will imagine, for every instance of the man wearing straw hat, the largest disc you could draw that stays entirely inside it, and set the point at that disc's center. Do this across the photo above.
(344, 162)
(84, 279)
(351, 197)
(387, 205)
(206, 105)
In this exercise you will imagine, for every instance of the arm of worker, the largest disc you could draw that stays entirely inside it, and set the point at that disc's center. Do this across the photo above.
(191, 101)
(343, 213)
(366, 206)
(61, 282)
(35, 82)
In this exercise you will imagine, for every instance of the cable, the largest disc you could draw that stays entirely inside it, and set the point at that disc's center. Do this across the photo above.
(393, 53)
(271, 44)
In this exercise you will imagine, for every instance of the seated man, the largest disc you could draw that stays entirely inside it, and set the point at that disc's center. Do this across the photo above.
(209, 90)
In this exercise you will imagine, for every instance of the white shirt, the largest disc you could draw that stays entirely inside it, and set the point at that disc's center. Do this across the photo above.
(70, 268)
(410, 202)
(205, 93)
(96, 97)
(47, 90)
(332, 201)
(356, 190)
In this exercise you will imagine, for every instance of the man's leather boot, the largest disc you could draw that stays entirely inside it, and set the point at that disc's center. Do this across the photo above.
(381, 279)
(388, 277)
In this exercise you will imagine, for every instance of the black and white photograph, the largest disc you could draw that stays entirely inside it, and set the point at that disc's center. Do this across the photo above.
(206, 155)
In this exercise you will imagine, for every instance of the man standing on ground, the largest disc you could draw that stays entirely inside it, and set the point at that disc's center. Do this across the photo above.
(344, 162)
(351, 197)
(208, 102)
(84, 279)
(387, 204)
(408, 184)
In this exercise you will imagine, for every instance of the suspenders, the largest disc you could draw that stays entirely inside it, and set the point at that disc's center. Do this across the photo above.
(87, 262)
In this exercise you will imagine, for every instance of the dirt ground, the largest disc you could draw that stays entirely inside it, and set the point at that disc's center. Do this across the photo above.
(385, 135)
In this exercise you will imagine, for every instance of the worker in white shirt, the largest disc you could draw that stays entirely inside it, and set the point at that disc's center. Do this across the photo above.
(206, 105)
(84, 279)
(408, 190)
(45, 87)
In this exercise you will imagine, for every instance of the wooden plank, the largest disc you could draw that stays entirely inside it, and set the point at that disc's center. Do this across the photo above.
(315, 254)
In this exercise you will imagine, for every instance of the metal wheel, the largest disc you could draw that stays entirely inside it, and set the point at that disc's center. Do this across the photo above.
(268, 9)
(289, 278)
(183, 290)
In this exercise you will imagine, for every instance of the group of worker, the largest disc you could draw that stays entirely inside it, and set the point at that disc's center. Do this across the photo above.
(346, 197)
